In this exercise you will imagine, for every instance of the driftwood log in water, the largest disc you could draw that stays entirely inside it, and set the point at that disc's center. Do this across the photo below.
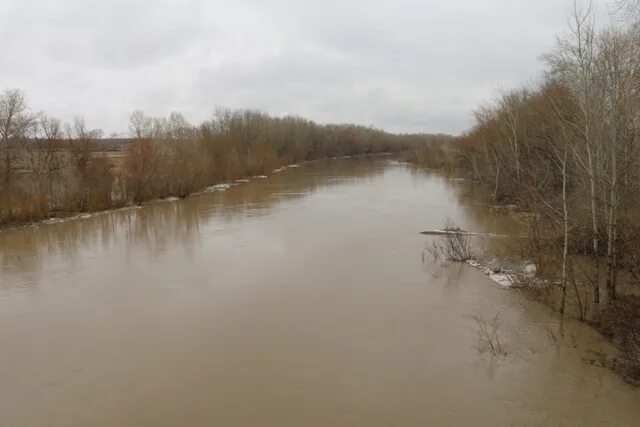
(446, 232)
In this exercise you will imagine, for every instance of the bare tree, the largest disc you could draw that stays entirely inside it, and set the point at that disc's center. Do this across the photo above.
(574, 63)
(15, 120)
(632, 7)
(158, 129)
(485, 117)
(140, 126)
(560, 144)
(79, 140)
(510, 119)
(141, 168)
(619, 65)
(48, 141)
(178, 127)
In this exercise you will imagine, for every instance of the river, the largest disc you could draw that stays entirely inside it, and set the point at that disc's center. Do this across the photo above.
(297, 300)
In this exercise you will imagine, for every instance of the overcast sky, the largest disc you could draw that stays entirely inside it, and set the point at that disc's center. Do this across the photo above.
(402, 65)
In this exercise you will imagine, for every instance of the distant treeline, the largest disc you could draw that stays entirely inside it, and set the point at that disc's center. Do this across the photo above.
(49, 168)
(567, 151)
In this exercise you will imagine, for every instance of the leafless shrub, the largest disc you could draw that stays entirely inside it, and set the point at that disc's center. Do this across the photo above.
(140, 169)
(17, 206)
(452, 246)
(488, 337)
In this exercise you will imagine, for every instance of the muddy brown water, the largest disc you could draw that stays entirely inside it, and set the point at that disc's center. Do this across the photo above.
(298, 300)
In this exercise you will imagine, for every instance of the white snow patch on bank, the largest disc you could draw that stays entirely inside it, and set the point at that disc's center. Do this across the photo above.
(58, 220)
(218, 187)
(503, 279)
(530, 270)
(285, 167)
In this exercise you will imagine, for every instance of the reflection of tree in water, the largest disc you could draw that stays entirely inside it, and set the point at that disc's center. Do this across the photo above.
(26, 253)
(257, 199)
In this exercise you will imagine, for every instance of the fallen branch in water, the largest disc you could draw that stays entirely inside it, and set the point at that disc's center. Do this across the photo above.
(453, 245)
(446, 231)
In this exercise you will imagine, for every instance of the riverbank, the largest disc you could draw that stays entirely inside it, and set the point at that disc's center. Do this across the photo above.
(53, 169)
(300, 297)
(58, 217)
(617, 320)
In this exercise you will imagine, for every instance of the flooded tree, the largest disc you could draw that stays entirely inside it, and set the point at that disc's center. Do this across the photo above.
(71, 168)
(567, 150)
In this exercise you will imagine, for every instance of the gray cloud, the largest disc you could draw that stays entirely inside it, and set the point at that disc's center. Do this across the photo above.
(403, 65)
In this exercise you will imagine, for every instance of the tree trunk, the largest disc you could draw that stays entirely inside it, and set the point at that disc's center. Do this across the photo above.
(495, 191)
(594, 224)
(7, 163)
(612, 232)
(565, 251)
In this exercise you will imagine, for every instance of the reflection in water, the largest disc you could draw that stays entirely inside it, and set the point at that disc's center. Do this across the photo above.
(162, 225)
(296, 300)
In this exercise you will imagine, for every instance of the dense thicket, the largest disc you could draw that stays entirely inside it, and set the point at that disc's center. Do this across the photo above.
(50, 169)
(568, 152)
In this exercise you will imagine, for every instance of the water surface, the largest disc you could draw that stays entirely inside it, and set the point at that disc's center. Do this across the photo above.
(299, 300)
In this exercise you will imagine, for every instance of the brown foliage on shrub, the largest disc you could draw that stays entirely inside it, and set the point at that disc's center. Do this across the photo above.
(167, 157)
(141, 166)
(18, 207)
